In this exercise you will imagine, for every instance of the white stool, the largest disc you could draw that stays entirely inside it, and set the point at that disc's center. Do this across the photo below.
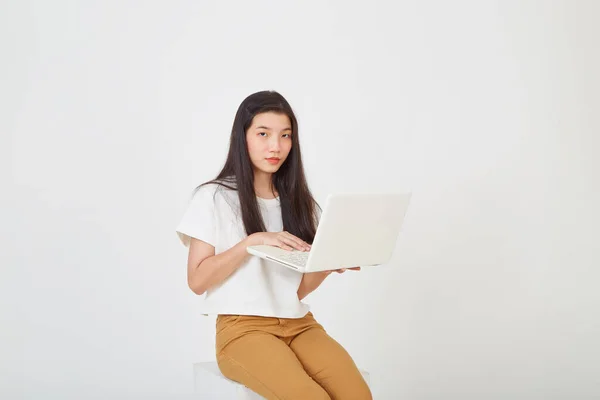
(211, 384)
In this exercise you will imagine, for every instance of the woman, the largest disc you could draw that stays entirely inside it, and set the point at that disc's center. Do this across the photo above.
(267, 339)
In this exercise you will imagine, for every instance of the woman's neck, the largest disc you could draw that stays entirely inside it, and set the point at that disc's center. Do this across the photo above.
(263, 185)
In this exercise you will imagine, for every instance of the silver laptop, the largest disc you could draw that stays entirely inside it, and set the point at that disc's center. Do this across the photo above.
(355, 230)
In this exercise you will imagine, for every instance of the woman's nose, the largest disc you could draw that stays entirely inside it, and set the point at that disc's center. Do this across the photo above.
(274, 145)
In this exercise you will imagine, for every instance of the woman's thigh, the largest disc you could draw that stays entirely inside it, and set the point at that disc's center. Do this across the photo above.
(328, 363)
(268, 366)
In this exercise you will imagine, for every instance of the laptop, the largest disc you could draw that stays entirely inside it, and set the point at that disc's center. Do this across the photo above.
(355, 230)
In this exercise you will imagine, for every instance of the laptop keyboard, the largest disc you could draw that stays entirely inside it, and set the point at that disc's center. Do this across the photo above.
(296, 257)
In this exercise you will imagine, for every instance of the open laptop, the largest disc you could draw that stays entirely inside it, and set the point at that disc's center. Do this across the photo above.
(355, 230)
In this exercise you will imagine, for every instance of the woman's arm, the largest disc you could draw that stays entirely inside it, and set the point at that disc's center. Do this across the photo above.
(310, 281)
(205, 269)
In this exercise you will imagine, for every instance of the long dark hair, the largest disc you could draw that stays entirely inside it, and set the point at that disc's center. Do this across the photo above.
(298, 206)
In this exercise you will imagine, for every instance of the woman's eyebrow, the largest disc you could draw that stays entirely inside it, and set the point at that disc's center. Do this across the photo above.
(267, 128)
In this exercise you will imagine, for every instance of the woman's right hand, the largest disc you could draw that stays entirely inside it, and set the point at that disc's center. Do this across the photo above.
(283, 240)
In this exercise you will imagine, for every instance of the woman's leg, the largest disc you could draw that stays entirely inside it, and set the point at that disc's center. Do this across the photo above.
(265, 364)
(328, 363)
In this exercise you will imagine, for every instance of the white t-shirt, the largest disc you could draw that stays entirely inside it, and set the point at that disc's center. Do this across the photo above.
(258, 287)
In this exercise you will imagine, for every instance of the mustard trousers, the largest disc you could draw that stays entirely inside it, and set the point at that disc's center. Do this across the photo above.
(287, 359)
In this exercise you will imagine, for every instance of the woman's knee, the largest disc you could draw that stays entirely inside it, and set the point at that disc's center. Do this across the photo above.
(363, 392)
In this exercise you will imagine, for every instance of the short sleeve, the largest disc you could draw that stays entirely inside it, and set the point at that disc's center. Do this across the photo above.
(199, 219)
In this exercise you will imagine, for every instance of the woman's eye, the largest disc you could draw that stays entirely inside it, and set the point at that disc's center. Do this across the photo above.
(287, 135)
(263, 134)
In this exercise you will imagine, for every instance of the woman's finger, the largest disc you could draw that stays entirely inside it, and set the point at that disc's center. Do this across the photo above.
(296, 241)
(305, 246)
(284, 246)
(294, 237)
(292, 243)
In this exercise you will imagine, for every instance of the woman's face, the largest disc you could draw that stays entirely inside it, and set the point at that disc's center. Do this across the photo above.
(269, 139)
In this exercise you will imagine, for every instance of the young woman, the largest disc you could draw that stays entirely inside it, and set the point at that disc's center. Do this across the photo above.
(267, 338)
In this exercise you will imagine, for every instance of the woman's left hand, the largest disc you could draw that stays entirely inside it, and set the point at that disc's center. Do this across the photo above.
(342, 270)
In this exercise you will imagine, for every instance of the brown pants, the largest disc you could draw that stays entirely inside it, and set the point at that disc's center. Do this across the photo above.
(282, 358)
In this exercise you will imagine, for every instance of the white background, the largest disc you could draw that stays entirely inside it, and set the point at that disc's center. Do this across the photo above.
(112, 112)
